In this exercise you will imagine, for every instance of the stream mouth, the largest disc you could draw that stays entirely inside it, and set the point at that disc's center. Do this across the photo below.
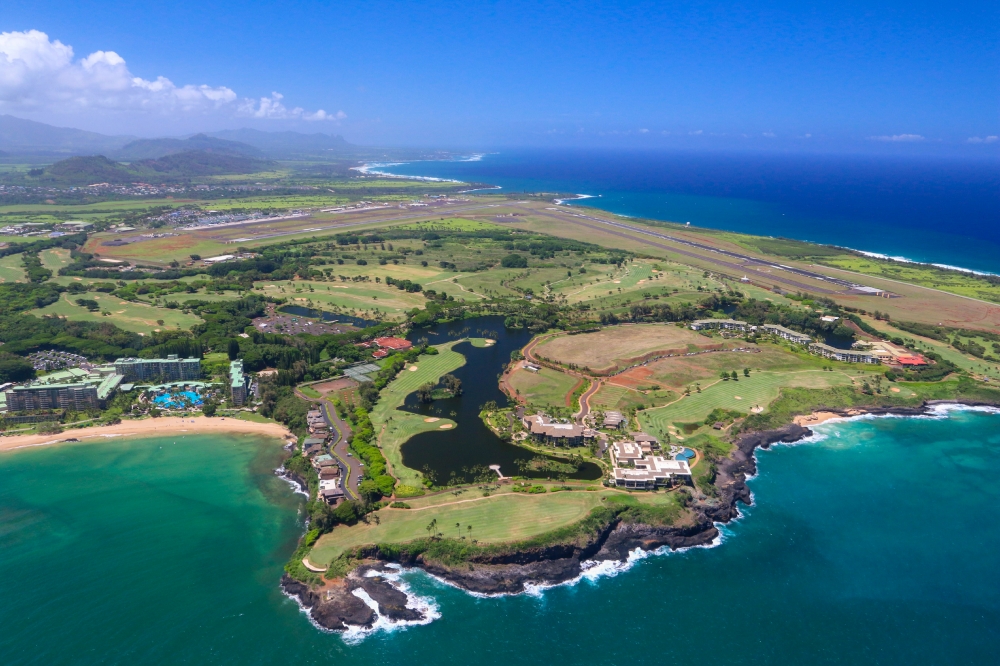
(468, 450)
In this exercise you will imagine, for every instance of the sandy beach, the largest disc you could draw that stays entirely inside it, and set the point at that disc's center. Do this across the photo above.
(165, 426)
(820, 417)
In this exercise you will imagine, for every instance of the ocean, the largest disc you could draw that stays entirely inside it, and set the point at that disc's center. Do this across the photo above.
(875, 542)
(927, 209)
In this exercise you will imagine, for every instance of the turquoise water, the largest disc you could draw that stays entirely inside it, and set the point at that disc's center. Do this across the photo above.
(878, 544)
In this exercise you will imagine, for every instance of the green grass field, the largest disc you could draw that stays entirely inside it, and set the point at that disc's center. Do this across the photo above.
(12, 269)
(501, 517)
(759, 389)
(544, 388)
(395, 426)
(136, 317)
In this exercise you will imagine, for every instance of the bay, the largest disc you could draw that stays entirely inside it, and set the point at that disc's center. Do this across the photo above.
(876, 542)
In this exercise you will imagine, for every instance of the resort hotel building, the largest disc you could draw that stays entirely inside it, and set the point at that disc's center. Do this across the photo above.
(166, 369)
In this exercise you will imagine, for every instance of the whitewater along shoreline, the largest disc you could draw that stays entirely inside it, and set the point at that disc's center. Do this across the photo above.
(368, 594)
(165, 426)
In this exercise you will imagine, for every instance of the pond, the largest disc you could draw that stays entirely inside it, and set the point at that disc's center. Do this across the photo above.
(472, 444)
(300, 311)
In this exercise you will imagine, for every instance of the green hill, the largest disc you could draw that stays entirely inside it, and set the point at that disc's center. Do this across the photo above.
(91, 169)
(286, 143)
(145, 149)
(20, 136)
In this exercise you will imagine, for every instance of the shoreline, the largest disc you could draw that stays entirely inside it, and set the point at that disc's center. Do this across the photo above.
(616, 546)
(158, 427)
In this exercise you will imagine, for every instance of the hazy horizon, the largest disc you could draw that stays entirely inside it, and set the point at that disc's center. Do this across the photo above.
(898, 79)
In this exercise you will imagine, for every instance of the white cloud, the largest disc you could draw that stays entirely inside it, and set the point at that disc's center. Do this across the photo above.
(983, 139)
(769, 135)
(38, 74)
(271, 107)
(898, 138)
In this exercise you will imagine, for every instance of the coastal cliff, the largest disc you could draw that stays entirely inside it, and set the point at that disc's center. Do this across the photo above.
(336, 605)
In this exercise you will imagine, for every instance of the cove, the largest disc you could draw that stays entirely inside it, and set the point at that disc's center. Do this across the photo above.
(447, 452)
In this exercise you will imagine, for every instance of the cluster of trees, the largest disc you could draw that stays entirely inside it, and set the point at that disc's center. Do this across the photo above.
(405, 285)
(376, 483)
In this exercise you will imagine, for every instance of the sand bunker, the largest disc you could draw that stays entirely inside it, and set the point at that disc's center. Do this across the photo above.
(431, 419)
(737, 397)
(413, 368)
(446, 426)
(894, 389)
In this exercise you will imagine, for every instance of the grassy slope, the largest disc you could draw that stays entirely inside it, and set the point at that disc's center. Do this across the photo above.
(761, 388)
(397, 426)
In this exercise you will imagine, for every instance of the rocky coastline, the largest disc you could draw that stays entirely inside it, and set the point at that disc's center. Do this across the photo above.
(337, 605)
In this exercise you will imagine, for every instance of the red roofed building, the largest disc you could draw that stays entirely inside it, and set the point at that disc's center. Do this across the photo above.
(394, 344)
(379, 353)
(911, 359)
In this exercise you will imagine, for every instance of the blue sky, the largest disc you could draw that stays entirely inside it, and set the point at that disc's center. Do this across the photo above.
(900, 76)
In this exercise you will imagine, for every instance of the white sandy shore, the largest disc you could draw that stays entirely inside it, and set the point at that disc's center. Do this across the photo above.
(165, 426)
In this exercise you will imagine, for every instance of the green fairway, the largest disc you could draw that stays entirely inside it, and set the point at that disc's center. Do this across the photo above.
(364, 298)
(501, 517)
(54, 259)
(12, 269)
(137, 317)
(758, 390)
(544, 388)
(393, 426)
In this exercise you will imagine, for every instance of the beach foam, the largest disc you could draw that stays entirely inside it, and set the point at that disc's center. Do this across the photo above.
(425, 605)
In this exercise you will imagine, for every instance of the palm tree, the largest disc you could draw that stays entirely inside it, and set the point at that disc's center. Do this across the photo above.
(459, 528)
(469, 528)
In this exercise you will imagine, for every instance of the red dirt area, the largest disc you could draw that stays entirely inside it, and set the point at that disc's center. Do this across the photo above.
(633, 378)
(569, 396)
(335, 385)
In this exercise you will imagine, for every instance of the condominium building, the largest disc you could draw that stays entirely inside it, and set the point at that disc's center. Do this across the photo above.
(846, 355)
(632, 467)
(92, 393)
(239, 382)
(724, 324)
(170, 368)
(787, 334)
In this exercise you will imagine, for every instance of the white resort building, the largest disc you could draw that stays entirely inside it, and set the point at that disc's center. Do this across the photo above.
(634, 466)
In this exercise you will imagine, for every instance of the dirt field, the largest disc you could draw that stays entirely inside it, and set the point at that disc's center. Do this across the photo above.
(335, 385)
(620, 344)
(681, 371)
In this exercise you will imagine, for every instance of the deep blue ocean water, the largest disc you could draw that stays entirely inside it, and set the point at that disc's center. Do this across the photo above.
(876, 543)
(928, 209)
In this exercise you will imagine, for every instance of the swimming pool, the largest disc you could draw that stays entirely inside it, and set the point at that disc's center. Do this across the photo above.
(686, 454)
(172, 400)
